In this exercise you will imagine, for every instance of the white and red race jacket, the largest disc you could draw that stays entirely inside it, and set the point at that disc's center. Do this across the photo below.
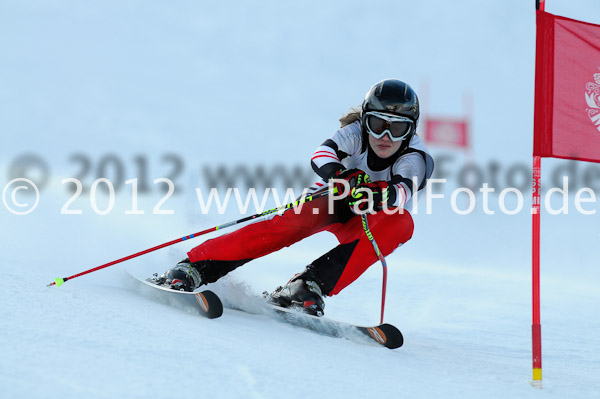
(406, 171)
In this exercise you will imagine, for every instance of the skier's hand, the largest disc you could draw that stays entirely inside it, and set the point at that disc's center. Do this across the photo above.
(354, 177)
(369, 196)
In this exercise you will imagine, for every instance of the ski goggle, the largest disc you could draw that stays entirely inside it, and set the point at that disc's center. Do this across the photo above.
(397, 127)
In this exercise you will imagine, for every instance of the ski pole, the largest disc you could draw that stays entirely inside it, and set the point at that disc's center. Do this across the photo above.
(365, 224)
(59, 281)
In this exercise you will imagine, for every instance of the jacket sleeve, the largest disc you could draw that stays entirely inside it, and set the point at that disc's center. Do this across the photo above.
(410, 173)
(327, 158)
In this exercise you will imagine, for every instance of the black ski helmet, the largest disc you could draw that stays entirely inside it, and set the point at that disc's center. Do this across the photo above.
(394, 97)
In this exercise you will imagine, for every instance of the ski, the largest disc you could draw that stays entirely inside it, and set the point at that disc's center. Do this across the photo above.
(384, 334)
(206, 302)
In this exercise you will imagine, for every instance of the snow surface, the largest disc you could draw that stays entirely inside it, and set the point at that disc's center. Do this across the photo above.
(235, 82)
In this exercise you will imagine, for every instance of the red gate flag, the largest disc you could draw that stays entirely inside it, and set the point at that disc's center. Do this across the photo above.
(567, 89)
(566, 121)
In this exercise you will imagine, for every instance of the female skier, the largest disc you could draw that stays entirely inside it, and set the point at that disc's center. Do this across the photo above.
(377, 159)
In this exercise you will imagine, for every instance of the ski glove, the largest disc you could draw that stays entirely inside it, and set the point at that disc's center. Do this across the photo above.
(354, 177)
(369, 196)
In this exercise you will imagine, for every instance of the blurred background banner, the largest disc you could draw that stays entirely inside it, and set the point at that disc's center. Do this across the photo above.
(447, 132)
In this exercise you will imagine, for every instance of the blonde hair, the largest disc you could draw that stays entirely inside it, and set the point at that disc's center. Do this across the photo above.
(351, 116)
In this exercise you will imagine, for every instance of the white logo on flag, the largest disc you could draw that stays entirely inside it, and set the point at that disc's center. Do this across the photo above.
(592, 98)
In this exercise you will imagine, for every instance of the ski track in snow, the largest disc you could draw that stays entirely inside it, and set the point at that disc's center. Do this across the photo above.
(87, 339)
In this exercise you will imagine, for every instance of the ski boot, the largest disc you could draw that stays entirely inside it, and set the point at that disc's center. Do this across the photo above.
(301, 293)
(182, 277)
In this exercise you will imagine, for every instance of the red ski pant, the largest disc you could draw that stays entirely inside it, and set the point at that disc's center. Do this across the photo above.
(357, 253)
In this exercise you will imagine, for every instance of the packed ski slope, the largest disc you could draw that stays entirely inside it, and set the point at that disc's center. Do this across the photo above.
(466, 327)
(263, 84)
(466, 336)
